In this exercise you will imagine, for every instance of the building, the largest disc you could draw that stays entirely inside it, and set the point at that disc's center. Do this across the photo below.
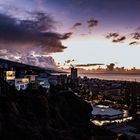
(9, 75)
(42, 81)
(21, 83)
(132, 97)
(74, 73)
(20, 75)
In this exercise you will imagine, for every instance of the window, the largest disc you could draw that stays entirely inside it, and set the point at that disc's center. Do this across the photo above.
(22, 87)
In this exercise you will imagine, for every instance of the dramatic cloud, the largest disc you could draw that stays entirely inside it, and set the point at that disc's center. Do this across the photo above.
(119, 39)
(136, 35)
(76, 25)
(115, 37)
(65, 36)
(19, 37)
(88, 65)
(112, 35)
(41, 61)
(134, 43)
(29, 58)
(92, 23)
(16, 33)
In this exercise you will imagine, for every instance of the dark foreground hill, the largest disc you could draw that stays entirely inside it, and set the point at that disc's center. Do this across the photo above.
(35, 115)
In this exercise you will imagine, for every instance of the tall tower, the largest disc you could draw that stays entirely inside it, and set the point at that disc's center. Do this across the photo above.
(73, 73)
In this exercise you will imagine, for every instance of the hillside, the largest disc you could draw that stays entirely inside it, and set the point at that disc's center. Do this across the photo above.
(35, 115)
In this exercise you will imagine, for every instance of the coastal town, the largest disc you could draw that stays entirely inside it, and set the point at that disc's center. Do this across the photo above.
(115, 103)
(69, 70)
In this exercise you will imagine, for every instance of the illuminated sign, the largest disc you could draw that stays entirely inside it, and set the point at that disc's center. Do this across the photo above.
(10, 75)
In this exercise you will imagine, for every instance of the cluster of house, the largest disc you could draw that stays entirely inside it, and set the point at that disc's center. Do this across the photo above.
(21, 79)
(20, 75)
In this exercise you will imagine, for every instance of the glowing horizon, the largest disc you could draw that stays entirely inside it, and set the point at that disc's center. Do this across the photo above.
(99, 50)
(88, 31)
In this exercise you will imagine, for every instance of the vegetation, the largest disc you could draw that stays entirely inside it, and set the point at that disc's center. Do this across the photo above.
(35, 114)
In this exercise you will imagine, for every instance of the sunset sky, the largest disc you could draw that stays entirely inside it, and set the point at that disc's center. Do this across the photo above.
(88, 31)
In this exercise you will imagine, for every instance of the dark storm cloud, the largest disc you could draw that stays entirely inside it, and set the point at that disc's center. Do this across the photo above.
(115, 37)
(92, 23)
(16, 33)
(76, 25)
(20, 37)
(136, 35)
(65, 36)
(88, 65)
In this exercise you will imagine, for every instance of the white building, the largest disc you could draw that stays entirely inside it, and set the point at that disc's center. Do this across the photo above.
(21, 83)
(43, 82)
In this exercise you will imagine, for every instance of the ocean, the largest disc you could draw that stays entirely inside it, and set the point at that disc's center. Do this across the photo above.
(110, 76)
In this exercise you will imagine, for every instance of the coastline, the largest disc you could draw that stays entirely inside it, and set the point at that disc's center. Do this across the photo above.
(123, 73)
(131, 77)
